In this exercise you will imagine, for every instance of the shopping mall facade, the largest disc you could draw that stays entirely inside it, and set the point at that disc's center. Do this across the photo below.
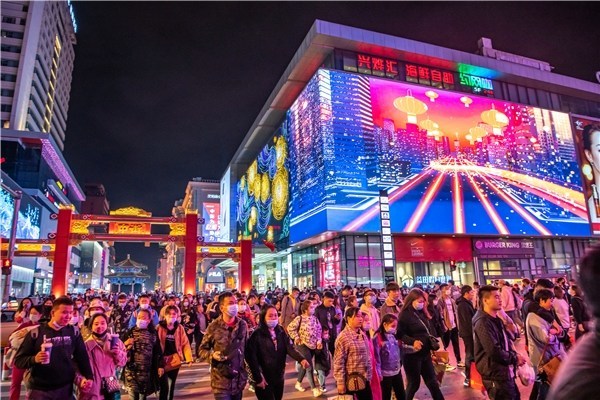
(378, 158)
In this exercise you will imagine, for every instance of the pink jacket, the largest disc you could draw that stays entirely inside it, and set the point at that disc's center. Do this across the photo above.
(103, 364)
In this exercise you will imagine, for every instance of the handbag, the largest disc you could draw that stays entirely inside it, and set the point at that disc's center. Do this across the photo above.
(355, 382)
(172, 362)
(434, 344)
(110, 385)
(551, 367)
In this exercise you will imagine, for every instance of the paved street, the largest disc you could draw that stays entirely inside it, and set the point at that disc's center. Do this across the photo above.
(194, 383)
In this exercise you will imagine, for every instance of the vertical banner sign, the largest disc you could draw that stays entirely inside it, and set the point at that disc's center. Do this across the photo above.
(387, 244)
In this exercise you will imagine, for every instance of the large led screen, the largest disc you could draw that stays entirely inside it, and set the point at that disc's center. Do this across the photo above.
(263, 194)
(451, 163)
(28, 226)
(587, 140)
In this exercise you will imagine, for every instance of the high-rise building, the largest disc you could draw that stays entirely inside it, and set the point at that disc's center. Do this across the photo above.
(95, 200)
(38, 39)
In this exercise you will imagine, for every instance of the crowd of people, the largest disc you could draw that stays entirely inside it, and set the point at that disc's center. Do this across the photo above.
(354, 342)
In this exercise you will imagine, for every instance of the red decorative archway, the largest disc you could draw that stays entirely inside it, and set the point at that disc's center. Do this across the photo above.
(133, 225)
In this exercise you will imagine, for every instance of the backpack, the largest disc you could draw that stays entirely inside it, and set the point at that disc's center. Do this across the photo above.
(15, 341)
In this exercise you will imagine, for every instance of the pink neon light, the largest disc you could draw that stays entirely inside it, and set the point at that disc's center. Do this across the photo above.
(424, 204)
(520, 210)
(457, 202)
(491, 211)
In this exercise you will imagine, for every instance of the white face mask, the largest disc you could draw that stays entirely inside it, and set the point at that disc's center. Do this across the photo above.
(74, 320)
(171, 320)
(272, 323)
(34, 318)
(390, 330)
(232, 310)
(242, 309)
(141, 323)
(144, 306)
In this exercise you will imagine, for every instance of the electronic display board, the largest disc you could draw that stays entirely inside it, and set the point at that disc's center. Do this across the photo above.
(451, 162)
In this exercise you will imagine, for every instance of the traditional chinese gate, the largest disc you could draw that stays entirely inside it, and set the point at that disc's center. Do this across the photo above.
(133, 225)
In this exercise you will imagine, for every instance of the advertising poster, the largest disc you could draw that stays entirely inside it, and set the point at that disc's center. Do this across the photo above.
(452, 163)
(587, 140)
(28, 226)
(211, 228)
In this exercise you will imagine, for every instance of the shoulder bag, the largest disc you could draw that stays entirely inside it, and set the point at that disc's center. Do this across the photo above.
(551, 367)
(433, 342)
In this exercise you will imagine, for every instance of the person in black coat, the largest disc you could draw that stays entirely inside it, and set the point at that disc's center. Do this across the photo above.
(580, 313)
(414, 329)
(265, 353)
(465, 312)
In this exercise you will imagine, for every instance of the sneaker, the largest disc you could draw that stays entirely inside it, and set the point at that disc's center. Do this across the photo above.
(467, 383)
(324, 389)
(450, 368)
(299, 387)
(460, 365)
(251, 388)
(317, 392)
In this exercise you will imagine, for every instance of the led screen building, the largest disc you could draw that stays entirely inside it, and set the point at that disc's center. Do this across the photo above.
(479, 159)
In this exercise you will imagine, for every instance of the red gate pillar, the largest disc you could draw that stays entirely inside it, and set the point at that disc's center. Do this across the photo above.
(245, 266)
(191, 244)
(62, 252)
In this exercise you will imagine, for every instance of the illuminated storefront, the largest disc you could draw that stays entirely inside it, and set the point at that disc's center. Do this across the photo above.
(465, 154)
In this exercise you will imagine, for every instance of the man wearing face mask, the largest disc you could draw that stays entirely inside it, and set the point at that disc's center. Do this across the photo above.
(53, 367)
(144, 304)
(223, 346)
(290, 308)
(119, 318)
(391, 305)
(368, 307)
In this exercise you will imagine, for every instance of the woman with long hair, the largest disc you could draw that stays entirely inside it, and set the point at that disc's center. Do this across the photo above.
(414, 329)
(266, 352)
(22, 314)
(104, 357)
(306, 332)
(173, 342)
(580, 312)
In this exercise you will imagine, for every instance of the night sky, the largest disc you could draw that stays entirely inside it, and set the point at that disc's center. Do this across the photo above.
(164, 92)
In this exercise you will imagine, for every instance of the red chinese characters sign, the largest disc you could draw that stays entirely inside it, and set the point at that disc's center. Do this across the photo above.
(377, 65)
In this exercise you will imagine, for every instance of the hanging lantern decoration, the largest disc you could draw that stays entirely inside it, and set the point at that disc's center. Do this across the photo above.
(430, 126)
(466, 101)
(432, 95)
(476, 132)
(411, 106)
(496, 119)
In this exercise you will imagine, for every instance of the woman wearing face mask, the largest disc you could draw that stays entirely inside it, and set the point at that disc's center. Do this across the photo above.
(388, 358)
(437, 322)
(145, 364)
(46, 309)
(14, 341)
(352, 356)
(305, 330)
(266, 353)
(188, 319)
(368, 307)
(22, 314)
(173, 340)
(246, 314)
(105, 357)
(414, 329)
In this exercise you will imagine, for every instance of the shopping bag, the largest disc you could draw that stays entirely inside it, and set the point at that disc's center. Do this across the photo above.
(476, 380)
(440, 360)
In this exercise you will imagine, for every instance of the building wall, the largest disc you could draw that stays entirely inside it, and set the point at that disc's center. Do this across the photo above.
(38, 50)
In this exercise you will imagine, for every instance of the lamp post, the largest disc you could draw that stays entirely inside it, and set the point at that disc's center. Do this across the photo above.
(17, 195)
